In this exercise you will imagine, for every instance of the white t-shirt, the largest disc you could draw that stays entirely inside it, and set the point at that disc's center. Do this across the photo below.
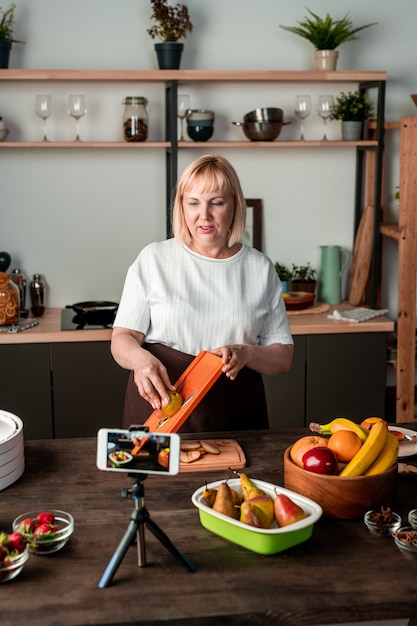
(192, 302)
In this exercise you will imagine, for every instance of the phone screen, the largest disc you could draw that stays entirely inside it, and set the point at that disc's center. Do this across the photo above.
(137, 451)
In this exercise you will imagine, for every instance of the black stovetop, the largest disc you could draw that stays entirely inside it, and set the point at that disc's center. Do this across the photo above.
(70, 320)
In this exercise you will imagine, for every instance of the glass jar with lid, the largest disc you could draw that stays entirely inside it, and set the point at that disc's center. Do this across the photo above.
(9, 301)
(135, 119)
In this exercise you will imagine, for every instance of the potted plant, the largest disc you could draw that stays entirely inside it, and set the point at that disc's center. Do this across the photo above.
(304, 278)
(326, 34)
(353, 109)
(172, 23)
(284, 275)
(6, 35)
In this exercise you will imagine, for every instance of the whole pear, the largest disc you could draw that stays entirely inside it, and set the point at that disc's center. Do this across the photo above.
(287, 511)
(249, 489)
(253, 515)
(223, 502)
(265, 504)
(209, 495)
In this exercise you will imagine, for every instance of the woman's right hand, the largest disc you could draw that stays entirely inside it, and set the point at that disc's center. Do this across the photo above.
(150, 375)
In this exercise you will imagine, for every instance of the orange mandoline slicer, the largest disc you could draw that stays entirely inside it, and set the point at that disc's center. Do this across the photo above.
(193, 385)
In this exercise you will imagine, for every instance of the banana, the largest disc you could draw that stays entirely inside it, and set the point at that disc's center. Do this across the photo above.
(386, 458)
(340, 423)
(368, 452)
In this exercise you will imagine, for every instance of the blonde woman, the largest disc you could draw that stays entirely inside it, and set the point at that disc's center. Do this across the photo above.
(203, 290)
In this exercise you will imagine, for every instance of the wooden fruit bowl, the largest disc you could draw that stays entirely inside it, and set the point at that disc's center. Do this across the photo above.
(342, 497)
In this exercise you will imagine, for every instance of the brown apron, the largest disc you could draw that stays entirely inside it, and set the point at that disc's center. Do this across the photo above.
(238, 404)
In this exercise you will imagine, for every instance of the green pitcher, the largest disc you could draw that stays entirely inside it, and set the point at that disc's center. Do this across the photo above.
(331, 270)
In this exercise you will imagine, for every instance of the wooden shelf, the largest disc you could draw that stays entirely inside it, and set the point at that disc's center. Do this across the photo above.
(190, 75)
(50, 145)
(405, 233)
(390, 230)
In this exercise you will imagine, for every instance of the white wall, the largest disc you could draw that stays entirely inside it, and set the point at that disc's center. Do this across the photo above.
(79, 217)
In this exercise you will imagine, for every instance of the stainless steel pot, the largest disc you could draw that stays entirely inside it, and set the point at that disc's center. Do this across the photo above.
(261, 131)
(266, 114)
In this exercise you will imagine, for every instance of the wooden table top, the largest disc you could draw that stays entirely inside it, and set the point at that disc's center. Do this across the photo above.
(341, 574)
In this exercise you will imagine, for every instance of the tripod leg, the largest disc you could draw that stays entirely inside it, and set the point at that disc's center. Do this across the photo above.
(120, 551)
(166, 541)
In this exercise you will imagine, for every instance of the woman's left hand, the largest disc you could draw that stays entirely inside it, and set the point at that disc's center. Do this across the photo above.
(234, 357)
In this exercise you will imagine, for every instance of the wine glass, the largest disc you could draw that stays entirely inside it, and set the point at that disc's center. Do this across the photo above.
(43, 110)
(182, 109)
(77, 108)
(302, 111)
(326, 104)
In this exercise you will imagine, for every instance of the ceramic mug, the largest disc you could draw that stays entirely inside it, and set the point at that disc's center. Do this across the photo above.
(200, 124)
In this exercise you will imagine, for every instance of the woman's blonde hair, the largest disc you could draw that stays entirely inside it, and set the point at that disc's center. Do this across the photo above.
(213, 173)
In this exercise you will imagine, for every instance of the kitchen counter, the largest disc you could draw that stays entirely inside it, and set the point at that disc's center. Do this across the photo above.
(49, 328)
(341, 574)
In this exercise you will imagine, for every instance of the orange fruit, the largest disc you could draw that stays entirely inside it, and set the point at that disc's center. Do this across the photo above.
(345, 444)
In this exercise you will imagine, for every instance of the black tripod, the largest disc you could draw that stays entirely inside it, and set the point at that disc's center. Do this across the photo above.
(138, 520)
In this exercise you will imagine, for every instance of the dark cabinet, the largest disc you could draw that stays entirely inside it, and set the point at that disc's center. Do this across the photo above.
(285, 393)
(346, 376)
(332, 375)
(25, 387)
(62, 389)
(88, 388)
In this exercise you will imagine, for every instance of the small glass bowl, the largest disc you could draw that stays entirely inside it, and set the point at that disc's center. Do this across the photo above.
(381, 528)
(407, 549)
(8, 572)
(65, 523)
(412, 518)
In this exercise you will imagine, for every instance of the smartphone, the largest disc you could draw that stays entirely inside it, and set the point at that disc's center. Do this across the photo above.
(138, 451)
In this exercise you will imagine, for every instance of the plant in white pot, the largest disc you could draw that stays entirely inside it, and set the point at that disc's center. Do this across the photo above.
(172, 24)
(353, 109)
(326, 35)
(6, 35)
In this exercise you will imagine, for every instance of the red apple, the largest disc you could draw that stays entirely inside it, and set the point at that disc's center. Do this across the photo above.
(302, 445)
(287, 511)
(320, 460)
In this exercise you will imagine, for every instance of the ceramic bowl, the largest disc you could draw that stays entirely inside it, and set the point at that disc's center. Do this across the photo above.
(48, 545)
(412, 518)
(342, 497)
(378, 527)
(402, 538)
(199, 132)
(260, 540)
(8, 572)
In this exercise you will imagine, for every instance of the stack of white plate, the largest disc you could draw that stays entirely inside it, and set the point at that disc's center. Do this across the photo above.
(12, 459)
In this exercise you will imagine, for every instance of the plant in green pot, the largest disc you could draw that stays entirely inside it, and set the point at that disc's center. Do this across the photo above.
(353, 109)
(304, 278)
(172, 23)
(326, 35)
(6, 35)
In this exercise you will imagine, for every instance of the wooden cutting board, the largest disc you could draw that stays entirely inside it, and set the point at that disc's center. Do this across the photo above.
(361, 257)
(231, 455)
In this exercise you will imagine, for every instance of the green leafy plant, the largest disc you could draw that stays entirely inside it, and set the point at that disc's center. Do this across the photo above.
(173, 21)
(6, 25)
(283, 272)
(326, 33)
(352, 106)
(303, 273)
